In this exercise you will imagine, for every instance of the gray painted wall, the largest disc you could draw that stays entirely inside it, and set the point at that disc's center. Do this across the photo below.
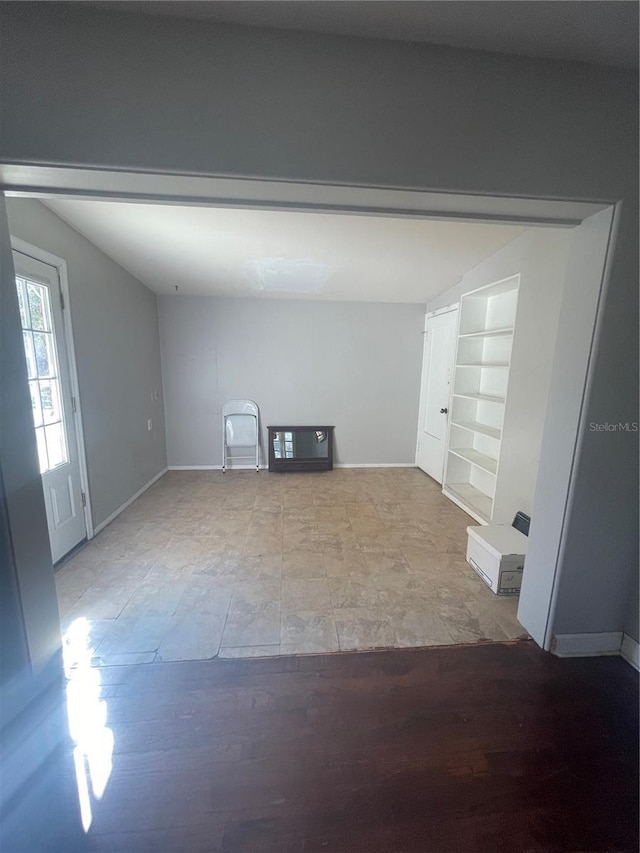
(632, 616)
(26, 574)
(604, 537)
(125, 91)
(355, 365)
(33, 718)
(115, 328)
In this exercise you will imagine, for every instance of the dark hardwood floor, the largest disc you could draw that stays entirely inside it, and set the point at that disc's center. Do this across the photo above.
(494, 747)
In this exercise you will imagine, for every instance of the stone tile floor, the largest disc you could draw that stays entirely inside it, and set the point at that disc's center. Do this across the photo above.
(241, 564)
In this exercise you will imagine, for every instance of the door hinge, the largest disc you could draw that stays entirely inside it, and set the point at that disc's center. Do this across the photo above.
(84, 500)
(73, 405)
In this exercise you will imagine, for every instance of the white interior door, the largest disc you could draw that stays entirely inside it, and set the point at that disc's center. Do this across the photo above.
(437, 370)
(39, 297)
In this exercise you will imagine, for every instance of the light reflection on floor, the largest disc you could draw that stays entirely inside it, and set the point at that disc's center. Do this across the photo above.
(87, 714)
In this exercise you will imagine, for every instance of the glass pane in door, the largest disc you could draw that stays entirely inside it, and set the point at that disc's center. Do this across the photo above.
(44, 381)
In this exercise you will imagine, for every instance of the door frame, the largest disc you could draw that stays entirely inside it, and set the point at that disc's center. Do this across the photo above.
(447, 309)
(38, 181)
(60, 265)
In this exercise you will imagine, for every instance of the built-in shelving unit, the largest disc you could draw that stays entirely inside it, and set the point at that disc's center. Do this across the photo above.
(481, 378)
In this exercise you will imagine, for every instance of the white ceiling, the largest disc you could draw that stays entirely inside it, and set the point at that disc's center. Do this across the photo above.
(604, 32)
(283, 254)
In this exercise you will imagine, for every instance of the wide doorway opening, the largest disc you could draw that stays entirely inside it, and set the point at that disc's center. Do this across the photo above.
(319, 316)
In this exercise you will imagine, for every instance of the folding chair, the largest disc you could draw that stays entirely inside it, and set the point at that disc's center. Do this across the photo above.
(240, 428)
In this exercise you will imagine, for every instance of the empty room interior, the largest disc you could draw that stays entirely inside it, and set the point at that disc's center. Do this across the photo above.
(320, 319)
(319, 427)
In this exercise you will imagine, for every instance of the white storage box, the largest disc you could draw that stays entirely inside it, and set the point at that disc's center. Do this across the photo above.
(496, 552)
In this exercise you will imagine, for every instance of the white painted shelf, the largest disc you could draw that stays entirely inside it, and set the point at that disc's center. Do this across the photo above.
(480, 460)
(483, 364)
(476, 426)
(486, 398)
(489, 333)
(471, 498)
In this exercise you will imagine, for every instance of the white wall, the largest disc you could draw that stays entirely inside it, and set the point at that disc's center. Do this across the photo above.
(115, 328)
(111, 89)
(540, 256)
(354, 365)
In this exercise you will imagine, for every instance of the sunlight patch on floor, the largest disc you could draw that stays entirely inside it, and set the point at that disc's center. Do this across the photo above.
(87, 712)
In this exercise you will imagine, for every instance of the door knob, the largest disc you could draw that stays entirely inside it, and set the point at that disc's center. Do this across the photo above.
(443, 411)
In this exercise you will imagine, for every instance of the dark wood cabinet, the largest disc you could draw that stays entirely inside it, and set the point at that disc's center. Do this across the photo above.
(300, 448)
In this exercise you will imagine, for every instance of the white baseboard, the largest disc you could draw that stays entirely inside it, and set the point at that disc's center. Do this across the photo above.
(630, 651)
(586, 645)
(195, 467)
(263, 467)
(374, 465)
(214, 467)
(123, 506)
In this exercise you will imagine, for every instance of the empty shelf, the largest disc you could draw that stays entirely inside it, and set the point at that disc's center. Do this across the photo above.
(484, 364)
(486, 398)
(480, 460)
(476, 426)
(470, 497)
(488, 333)
(507, 285)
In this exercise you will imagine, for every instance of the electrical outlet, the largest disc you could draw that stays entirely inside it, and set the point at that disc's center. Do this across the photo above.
(149, 424)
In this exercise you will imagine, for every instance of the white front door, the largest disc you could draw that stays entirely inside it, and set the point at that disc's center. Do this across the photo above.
(40, 301)
(437, 370)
